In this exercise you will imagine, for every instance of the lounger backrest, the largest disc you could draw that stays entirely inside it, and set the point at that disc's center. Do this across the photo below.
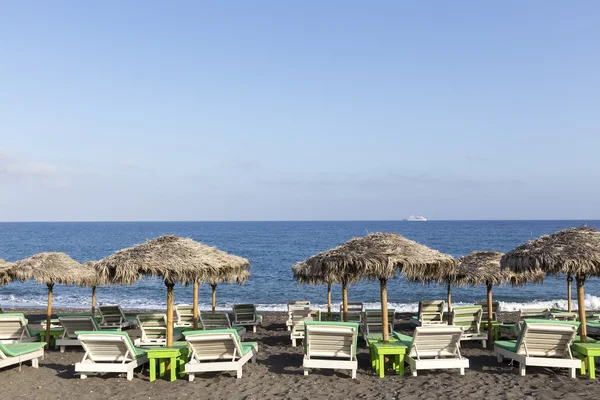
(372, 321)
(467, 318)
(546, 339)
(431, 310)
(13, 326)
(298, 304)
(153, 326)
(355, 310)
(215, 321)
(299, 317)
(185, 314)
(112, 315)
(484, 308)
(330, 339)
(244, 313)
(436, 341)
(541, 313)
(107, 347)
(74, 323)
(223, 344)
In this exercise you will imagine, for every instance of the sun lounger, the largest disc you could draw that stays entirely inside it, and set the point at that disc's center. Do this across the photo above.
(468, 318)
(430, 312)
(246, 315)
(537, 313)
(434, 347)
(295, 305)
(371, 324)
(484, 308)
(72, 323)
(541, 344)
(219, 320)
(299, 317)
(114, 317)
(218, 350)
(14, 328)
(563, 315)
(593, 328)
(330, 345)
(154, 330)
(17, 353)
(185, 315)
(355, 311)
(108, 352)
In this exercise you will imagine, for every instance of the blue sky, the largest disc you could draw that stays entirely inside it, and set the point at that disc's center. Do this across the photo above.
(271, 110)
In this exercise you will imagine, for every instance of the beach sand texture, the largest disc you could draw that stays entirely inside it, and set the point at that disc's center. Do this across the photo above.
(279, 374)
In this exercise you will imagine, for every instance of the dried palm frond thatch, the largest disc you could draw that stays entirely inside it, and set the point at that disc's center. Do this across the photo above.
(5, 275)
(176, 260)
(49, 268)
(573, 251)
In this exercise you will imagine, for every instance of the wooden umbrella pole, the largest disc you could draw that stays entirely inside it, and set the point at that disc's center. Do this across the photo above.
(329, 301)
(170, 301)
(581, 304)
(345, 301)
(569, 283)
(214, 297)
(49, 314)
(449, 304)
(490, 317)
(195, 305)
(93, 300)
(384, 310)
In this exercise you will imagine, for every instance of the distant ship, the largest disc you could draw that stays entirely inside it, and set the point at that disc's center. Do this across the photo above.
(415, 218)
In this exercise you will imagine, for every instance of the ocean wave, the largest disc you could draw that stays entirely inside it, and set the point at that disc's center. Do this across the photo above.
(84, 302)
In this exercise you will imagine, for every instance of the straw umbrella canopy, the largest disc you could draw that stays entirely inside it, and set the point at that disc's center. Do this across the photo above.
(379, 256)
(91, 278)
(48, 268)
(236, 273)
(175, 260)
(5, 276)
(574, 251)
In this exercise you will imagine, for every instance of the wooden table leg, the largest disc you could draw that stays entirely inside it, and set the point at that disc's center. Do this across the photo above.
(401, 362)
(381, 365)
(162, 363)
(173, 368)
(592, 366)
(583, 368)
(152, 363)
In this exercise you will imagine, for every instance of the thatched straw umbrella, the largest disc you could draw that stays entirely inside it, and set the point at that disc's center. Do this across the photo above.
(5, 276)
(574, 251)
(379, 256)
(49, 269)
(91, 278)
(238, 274)
(176, 260)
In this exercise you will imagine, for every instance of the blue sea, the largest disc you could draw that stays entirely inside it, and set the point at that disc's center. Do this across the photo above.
(272, 248)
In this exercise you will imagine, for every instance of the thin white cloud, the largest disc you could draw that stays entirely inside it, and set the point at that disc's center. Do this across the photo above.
(12, 166)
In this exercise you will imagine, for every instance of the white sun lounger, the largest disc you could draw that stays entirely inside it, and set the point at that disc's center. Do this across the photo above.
(14, 328)
(538, 313)
(371, 326)
(355, 311)
(219, 320)
(218, 350)
(17, 353)
(541, 344)
(246, 315)
(108, 352)
(330, 345)
(468, 318)
(484, 308)
(114, 317)
(299, 317)
(434, 347)
(185, 315)
(154, 330)
(295, 305)
(430, 312)
(72, 323)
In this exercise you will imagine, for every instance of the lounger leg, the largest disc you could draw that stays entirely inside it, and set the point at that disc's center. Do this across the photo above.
(239, 372)
(253, 359)
(254, 328)
(35, 363)
(414, 372)
(19, 367)
(82, 376)
(353, 374)
(484, 343)
(191, 376)
(130, 375)
(462, 371)
(305, 371)
(572, 372)
(499, 357)
(522, 369)
(62, 349)
(293, 342)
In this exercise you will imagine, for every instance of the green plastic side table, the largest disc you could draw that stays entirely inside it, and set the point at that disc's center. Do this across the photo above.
(175, 355)
(587, 353)
(396, 350)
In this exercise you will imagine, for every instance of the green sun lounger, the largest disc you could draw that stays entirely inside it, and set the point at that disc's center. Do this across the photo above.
(14, 328)
(17, 353)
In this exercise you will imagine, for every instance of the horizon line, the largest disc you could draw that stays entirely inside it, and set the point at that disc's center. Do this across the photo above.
(293, 220)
